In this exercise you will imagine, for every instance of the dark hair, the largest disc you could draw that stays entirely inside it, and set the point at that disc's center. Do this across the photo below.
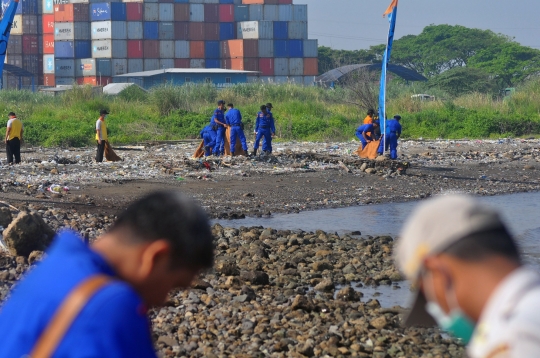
(481, 245)
(371, 111)
(10, 114)
(230, 105)
(174, 217)
(263, 107)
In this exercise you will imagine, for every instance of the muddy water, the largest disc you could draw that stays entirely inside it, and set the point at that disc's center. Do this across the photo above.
(521, 213)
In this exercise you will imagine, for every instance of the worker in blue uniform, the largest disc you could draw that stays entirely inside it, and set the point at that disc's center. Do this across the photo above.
(393, 132)
(218, 121)
(233, 118)
(208, 134)
(364, 133)
(264, 128)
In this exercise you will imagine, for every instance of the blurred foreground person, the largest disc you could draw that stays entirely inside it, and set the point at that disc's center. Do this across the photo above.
(83, 301)
(470, 277)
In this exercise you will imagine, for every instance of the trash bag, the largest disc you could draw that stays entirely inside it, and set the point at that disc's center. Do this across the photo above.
(370, 151)
(110, 155)
(199, 152)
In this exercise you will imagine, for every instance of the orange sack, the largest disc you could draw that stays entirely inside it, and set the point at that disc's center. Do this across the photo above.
(199, 152)
(370, 151)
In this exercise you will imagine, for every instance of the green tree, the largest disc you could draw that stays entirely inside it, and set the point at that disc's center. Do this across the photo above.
(461, 80)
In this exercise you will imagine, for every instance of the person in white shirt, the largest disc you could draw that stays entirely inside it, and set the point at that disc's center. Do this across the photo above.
(471, 282)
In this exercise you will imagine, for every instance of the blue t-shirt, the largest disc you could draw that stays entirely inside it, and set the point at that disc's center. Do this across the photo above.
(365, 128)
(112, 324)
(393, 126)
(233, 117)
(218, 114)
(265, 122)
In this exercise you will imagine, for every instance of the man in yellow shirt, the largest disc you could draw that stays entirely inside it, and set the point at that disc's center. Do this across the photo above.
(14, 136)
(101, 134)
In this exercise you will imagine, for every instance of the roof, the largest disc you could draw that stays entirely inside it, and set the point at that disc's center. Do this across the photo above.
(337, 73)
(184, 70)
(17, 71)
(116, 88)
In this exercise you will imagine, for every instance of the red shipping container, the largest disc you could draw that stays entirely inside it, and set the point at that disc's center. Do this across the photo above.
(48, 24)
(226, 13)
(181, 30)
(261, 2)
(239, 48)
(211, 31)
(181, 12)
(196, 49)
(71, 12)
(134, 11)
(94, 80)
(211, 12)
(48, 80)
(181, 62)
(311, 66)
(135, 48)
(196, 31)
(30, 44)
(151, 49)
(243, 64)
(266, 66)
(48, 44)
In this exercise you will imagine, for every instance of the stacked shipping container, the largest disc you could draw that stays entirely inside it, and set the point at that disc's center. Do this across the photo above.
(90, 42)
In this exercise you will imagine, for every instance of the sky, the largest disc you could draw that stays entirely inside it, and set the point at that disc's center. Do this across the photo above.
(358, 24)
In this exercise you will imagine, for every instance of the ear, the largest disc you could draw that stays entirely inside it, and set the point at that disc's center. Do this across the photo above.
(155, 254)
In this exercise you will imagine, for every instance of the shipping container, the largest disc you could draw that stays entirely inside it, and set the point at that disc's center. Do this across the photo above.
(309, 80)
(311, 67)
(285, 2)
(64, 67)
(150, 49)
(15, 60)
(106, 30)
(181, 30)
(281, 48)
(65, 31)
(196, 31)
(151, 30)
(298, 30)
(135, 49)
(71, 12)
(311, 48)
(296, 66)
(181, 63)
(135, 30)
(196, 49)
(281, 31)
(256, 13)
(25, 7)
(151, 64)
(239, 48)
(212, 63)
(298, 80)
(72, 49)
(48, 44)
(47, 7)
(47, 24)
(181, 49)
(285, 13)
(151, 11)
(270, 12)
(87, 67)
(211, 13)
(166, 12)
(24, 24)
(14, 46)
(48, 64)
(241, 13)
(166, 49)
(181, 12)
(31, 63)
(196, 63)
(48, 80)
(255, 30)
(243, 64)
(108, 11)
(249, 2)
(196, 12)
(64, 81)
(109, 49)
(94, 81)
(300, 13)
(166, 30)
(266, 66)
(230, 1)
(118, 66)
(296, 48)
(281, 66)
(135, 65)
(30, 45)
(166, 63)
(266, 48)
(226, 13)
(211, 31)
(227, 31)
(211, 50)
(134, 11)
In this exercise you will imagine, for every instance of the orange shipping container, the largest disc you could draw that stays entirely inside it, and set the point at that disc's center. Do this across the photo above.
(48, 80)
(311, 67)
(239, 48)
(94, 80)
(196, 49)
(71, 12)
(48, 24)
(48, 44)
(243, 64)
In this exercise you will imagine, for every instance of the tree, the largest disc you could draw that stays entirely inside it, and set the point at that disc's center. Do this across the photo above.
(460, 80)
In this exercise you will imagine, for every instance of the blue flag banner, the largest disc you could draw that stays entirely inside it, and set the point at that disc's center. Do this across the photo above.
(5, 29)
(392, 14)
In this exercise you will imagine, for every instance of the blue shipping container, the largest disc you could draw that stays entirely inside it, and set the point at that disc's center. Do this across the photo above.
(166, 30)
(281, 30)
(296, 48)
(72, 49)
(226, 1)
(25, 7)
(211, 49)
(181, 1)
(226, 31)
(281, 48)
(241, 13)
(103, 11)
(151, 30)
(212, 63)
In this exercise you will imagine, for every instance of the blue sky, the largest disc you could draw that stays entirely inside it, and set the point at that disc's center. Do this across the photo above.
(358, 24)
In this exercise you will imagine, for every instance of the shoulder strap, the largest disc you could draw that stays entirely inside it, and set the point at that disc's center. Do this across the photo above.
(66, 314)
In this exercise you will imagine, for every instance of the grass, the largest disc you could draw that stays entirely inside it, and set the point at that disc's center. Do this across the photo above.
(302, 113)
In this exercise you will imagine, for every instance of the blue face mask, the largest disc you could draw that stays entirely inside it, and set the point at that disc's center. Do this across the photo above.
(456, 322)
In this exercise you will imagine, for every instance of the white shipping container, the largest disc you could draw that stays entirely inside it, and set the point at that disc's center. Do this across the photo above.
(210, 1)
(85, 67)
(300, 13)
(48, 64)
(166, 63)
(109, 48)
(151, 12)
(181, 49)
(196, 63)
(285, 12)
(309, 80)
(298, 30)
(135, 65)
(47, 7)
(25, 25)
(270, 12)
(255, 30)
(79, 1)
(266, 48)
(107, 30)
(69, 31)
(281, 66)
(256, 12)
(64, 67)
(119, 66)
(311, 48)
(135, 30)
(166, 49)
(296, 66)
(166, 12)
(151, 64)
(196, 12)
(281, 79)
(299, 80)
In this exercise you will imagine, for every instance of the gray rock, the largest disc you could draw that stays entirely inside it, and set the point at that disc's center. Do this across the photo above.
(302, 303)
(307, 348)
(363, 167)
(325, 285)
(227, 268)
(5, 217)
(255, 277)
(27, 233)
(171, 342)
(379, 322)
(322, 265)
(349, 269)
(347, 293)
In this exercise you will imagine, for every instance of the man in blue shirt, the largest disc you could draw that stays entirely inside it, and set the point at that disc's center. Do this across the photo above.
(208, 134)
(264, 128)
(233, 119)
(218, 121)
(159, 243)
(393, 132)
(364, 132)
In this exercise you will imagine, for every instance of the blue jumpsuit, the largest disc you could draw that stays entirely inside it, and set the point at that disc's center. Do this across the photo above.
(220, 132)
(362, 129)
(264, 127)
(393, 130)
(208, 134)
(233, 118)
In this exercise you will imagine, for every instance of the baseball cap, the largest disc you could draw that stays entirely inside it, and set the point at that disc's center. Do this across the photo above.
(433, 227)
(269, 105)
(397, 116)
(220, 102)
(103, 111)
